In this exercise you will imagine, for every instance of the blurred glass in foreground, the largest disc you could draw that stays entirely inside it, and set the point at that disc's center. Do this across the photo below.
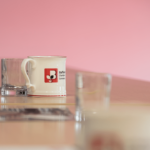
(92, 92)
(13, 82)
(115, 129)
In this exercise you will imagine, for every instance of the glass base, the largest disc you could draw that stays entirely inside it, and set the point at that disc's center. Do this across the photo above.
(13, 92)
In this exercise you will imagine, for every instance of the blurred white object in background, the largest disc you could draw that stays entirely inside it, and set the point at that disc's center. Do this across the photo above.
(120, 128)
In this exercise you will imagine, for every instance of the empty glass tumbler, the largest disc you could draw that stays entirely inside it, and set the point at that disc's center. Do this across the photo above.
(12, 80)
(92, 92)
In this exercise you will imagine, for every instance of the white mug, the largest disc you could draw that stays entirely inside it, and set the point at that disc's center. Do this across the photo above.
(46, 75)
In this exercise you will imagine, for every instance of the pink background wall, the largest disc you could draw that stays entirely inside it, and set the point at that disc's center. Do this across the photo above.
(95, 35)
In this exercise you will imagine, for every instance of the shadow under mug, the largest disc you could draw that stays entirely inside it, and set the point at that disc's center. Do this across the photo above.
(46, 75)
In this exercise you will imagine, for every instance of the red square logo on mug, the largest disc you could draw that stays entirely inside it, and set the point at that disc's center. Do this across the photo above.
(51, 75)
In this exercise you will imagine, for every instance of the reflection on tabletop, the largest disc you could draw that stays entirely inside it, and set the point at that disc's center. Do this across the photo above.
(38, 102)
(35, 114)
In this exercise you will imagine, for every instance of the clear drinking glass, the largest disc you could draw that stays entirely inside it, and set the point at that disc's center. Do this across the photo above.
(12, 80)
(92, 92)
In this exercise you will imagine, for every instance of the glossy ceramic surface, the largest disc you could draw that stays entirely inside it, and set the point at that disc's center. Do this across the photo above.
(46, 75)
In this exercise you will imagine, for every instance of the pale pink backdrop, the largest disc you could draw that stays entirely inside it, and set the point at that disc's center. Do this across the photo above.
(96, 35)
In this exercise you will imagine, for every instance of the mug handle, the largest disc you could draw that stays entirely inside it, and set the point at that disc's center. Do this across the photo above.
(23, 69)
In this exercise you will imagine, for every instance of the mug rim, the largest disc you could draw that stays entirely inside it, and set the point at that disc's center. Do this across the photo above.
(47, 57)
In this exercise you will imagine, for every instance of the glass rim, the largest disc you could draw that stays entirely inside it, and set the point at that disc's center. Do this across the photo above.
(47, 56)
(90, 72)
(12, 58)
